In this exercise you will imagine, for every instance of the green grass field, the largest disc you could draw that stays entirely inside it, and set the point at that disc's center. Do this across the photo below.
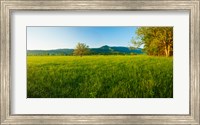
(99, 77)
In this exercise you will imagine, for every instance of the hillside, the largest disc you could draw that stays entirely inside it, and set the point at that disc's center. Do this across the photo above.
(104, 50)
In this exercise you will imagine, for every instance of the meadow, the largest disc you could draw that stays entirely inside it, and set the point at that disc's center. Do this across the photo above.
(113, 76)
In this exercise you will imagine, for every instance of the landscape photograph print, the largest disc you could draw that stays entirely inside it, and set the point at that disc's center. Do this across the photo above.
(99, 61)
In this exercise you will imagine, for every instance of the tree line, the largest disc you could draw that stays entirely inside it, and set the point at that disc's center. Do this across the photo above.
(157, 41)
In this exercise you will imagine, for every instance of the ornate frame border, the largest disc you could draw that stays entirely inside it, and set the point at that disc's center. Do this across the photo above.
(7, 6)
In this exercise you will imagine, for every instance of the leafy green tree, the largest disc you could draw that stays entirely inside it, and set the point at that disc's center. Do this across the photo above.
(81, 49)
(156, 40)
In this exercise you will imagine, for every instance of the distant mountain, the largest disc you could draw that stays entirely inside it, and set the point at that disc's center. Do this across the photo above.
(104, 50)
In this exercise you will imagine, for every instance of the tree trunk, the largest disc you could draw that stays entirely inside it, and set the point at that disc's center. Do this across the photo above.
(167, 49)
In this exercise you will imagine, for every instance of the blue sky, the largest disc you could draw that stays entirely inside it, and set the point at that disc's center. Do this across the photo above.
(46, 38)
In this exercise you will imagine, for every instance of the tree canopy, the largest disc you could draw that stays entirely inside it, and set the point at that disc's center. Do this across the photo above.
(81, 49)
(156, 40)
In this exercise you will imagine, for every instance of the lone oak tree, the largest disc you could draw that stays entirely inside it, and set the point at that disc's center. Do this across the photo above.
(81, 49)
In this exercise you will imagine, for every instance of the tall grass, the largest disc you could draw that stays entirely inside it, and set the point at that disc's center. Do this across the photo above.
(99, 77)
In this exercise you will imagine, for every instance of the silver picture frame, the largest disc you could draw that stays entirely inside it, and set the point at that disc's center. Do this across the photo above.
(9, 6)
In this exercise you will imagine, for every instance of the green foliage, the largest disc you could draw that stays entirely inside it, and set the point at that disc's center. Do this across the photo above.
(99, 77)
(81, 49)
(157, 41)
(136, 43)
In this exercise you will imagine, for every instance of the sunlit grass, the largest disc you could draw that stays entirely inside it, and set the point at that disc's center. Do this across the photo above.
(99, 77)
